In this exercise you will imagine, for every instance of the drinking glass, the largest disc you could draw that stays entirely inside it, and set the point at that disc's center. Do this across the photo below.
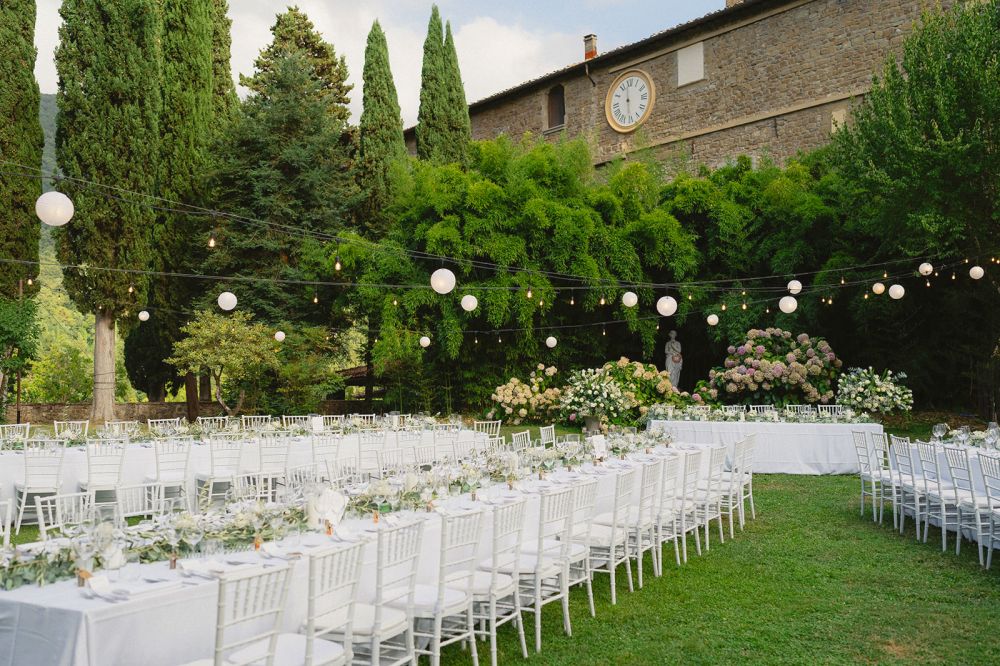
(939, 430)
(192, 538)
(963, 435)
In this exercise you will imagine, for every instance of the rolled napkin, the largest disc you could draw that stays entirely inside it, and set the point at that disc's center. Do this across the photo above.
(328, 506)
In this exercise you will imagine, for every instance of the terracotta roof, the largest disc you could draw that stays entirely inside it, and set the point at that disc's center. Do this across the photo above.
(747, 6)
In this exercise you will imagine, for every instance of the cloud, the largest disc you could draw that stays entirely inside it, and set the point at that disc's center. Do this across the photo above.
(493, 55)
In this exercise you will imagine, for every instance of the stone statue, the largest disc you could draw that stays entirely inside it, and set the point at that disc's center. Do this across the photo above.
(674, 360)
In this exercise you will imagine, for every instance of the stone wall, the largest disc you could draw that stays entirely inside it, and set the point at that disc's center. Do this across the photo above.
(142, 411)
(771, 84)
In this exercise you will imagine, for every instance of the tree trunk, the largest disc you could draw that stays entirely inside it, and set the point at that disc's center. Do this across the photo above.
(157, 393)
(205, 386)
(103, 408)
(191, 391)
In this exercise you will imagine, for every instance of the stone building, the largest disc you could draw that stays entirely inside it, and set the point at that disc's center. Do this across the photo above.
(760, 77)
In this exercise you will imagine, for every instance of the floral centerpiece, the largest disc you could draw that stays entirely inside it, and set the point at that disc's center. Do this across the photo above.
(536, 399)
(644, 384)
(595, 393)
(773, 366)
(865, 390)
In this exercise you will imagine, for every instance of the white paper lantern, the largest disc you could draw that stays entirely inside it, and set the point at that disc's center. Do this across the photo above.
(227, 300)
(712, 319)
(143, 316)
(878, 288)
(442, 281)
(469, 302)
(794, 287)
(896, 291)
(629, 299)
(551, 342)
(925, 269)
(425, 341)
(976, 272)
(787, 304)
(666, 306)
(279, 336)
(54, 209)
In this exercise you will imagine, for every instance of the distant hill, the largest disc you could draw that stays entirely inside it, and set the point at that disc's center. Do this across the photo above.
(47, 114)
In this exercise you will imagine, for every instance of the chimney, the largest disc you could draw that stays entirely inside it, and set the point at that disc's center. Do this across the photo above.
(733, 3)
(590, 46)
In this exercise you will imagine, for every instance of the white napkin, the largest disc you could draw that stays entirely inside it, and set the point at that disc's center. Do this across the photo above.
(330, 506)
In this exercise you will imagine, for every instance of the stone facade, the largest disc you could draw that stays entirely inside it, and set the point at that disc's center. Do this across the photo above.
(777, 74)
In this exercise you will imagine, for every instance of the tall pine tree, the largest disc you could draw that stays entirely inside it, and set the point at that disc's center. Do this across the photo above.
(224, 99)
(443, 128)
(295, 33)
(109, 65)
(179, 239)
(459, 125)
(380, 131)
(21, 142)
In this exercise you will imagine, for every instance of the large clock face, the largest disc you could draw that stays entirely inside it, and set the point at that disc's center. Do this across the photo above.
(630, 100)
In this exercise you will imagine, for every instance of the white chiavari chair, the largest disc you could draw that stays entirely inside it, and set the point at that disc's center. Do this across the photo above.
(71, 429)
(333, 578)
(6, 511)
(581, 524)
(173, 458)
(140, 500)
(119, 429)
(224, 464)
(105, 463)
(295, 422)
(370, 442)
(710, 494)
(391, 461)
(43, 460)
(464, 449)
(272, 462)
(56, 512)
(830, 410)
(333, 423)
(973, 506)
(547, 435)
(163, 427)
(255, 422)
(210, 424)
(762, 410)
(609, 542)
(250, 607)
(425, 455)
(447, 606)
(491, 428)
(496, 445)
(865, 473)
(409, 441)
(686, 507)
(14, 432)
(325, 448)
(731, 488)
(732, 410)
(497, 601)
(799, 410)
(700, 411)
(940, 494)
(521, 440)
(364, 420)
(445, 438)
(344, 470)
(667, 518)
(302, 475)
(544, 566)
(884, 472)
(989, 466)
(911, 494)
(383, 630)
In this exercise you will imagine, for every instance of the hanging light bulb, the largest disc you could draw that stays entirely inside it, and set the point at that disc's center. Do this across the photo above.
(541, 302)
(952, 276)
(604, 330)
(499, 340)
(767, 309)
(842, 281)
(30, 282)
(822, 300)
(572, 300)
(928, 283)
(829, 301)
(885, 274)
(723, 307)
(211, 240)
(866, 295)
(744, 306)
(744, 292)
(477, 340)
(602, 300)
(395, 302)
(529, 292)
(315, 298)
(336, 264)
(131, 289)
(657, 325)
(690, 297)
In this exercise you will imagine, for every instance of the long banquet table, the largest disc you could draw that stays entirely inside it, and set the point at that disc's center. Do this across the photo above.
(140, 459)
(781, 448)
(55, 625)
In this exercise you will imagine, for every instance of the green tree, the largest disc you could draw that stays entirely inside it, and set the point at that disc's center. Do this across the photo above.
(305, 374)
(380, 134)
(19, 340)
(458, 123)
(179, 238)
(432, 118)
(109, 65)
(21, 142)
(285, 161)
(295, 34)
(233, 348)
(224, 99)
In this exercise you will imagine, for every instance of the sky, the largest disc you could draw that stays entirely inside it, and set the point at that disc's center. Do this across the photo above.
(500, 43)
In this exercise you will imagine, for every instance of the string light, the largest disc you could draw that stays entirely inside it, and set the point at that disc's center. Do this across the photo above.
(477, 340)
(131, 289)
(30, 282)
(822, 300)
(866, 295)
(723, 307)
(952, 276)
(541, 302)
(744, 306)
(211, 240)
(842, 281)
(604, 330)
(602, 300)
(529, 292)
(744, 292)
(767, 310)
(336, 264)
(690, 297)
(572, 300)
(885, 274)
(395, 302)
(315, 298)
(928, 283)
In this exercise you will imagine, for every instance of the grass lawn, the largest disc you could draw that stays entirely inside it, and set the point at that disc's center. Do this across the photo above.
(808, 582)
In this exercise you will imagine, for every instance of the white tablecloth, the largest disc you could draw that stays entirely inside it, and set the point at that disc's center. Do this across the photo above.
(140, 460)
(55, 626)
(781, 448)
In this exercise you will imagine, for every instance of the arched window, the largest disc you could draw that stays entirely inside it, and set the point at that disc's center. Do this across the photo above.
(557, 107)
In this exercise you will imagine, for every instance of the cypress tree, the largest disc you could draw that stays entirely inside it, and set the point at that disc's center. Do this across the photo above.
(459, 125)
(21, 141)
(179, 239)
(109, 65)
(380, 131)
(295, 33)
(224, 99)
(432, 118)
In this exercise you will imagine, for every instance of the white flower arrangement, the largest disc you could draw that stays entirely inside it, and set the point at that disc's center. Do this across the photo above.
(865, 390)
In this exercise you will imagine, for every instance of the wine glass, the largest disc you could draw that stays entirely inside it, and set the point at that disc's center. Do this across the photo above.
(939, 430)
(192, 538)
(963, 435)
